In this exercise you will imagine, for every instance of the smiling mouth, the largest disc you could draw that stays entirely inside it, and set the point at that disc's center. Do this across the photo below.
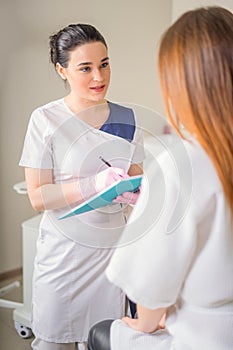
(98, 88)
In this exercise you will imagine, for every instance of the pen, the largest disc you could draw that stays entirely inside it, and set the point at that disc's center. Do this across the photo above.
(103, 160)
(107, 163)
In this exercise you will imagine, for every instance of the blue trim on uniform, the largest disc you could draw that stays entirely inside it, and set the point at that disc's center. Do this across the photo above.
(121, 122)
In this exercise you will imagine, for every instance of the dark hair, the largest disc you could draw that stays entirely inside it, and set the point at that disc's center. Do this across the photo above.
(68, 38)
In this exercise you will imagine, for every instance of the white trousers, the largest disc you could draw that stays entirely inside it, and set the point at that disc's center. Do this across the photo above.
(125, 338)
(39, 344)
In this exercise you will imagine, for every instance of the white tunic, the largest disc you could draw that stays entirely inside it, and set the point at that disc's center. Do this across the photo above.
(70, 289)
(182, 261)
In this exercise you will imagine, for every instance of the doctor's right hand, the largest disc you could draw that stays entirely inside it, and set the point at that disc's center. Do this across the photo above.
(89, 186)
(108, 176)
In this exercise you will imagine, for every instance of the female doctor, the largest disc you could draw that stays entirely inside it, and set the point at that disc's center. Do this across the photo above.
(183, 260)
(61, 156)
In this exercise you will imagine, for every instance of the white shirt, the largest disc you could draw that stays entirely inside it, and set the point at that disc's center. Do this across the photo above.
(177, 253)
(57, 139)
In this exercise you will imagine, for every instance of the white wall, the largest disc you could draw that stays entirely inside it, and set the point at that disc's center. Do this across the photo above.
(27, 79)
(181, 6)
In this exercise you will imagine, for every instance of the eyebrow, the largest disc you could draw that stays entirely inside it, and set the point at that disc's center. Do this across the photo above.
(88, 63)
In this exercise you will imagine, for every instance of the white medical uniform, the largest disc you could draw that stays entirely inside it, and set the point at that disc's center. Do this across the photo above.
(70, 289)
(183, 260)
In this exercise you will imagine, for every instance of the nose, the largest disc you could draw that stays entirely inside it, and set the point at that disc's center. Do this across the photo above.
(97, 75)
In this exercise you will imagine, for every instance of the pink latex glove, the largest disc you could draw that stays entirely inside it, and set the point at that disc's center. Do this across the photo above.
(108, 176)
(128, 197)
(89, 186)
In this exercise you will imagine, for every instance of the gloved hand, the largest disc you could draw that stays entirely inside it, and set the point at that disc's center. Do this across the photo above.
(108, 176)
(128, 197)
(89, 186)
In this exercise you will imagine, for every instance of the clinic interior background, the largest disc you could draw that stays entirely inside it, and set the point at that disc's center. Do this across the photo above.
(27, 79)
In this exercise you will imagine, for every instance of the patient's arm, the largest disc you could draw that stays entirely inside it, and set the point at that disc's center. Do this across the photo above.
(148, 321)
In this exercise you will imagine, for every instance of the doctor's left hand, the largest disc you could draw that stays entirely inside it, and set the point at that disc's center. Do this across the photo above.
(128, 197)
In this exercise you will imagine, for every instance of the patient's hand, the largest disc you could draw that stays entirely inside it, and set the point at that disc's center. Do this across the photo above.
(135, 324)
(162, 322)
(149, 321)
(132, 323)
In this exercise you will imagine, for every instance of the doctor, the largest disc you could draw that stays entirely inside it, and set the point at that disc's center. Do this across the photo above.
(61, 157)
(183, 260)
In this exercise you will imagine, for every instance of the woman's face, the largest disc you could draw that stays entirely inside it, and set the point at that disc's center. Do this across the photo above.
(88, 72)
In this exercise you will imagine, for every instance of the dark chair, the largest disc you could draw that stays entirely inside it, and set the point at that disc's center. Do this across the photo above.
(99, 336)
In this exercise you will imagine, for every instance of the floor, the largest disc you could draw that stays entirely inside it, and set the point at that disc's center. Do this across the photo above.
(9, 338)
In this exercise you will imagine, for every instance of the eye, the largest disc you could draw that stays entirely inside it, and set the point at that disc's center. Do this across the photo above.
(85, 69)
(104, 65)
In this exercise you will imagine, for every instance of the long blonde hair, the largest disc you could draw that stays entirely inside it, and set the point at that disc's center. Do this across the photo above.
(196, 74)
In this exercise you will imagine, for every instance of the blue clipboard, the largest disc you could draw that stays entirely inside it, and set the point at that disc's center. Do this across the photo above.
(106, 196)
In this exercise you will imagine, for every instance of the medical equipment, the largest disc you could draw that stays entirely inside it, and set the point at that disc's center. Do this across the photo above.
(30, 229)
(22, 311)
(22, 314)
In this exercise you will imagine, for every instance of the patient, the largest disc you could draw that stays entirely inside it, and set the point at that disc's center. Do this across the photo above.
(182, 264)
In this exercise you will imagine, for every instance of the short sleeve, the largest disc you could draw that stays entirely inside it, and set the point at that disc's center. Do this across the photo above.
(151, 261)
(37, 149)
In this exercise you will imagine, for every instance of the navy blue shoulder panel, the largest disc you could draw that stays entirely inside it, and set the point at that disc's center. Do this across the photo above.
(121, 122)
